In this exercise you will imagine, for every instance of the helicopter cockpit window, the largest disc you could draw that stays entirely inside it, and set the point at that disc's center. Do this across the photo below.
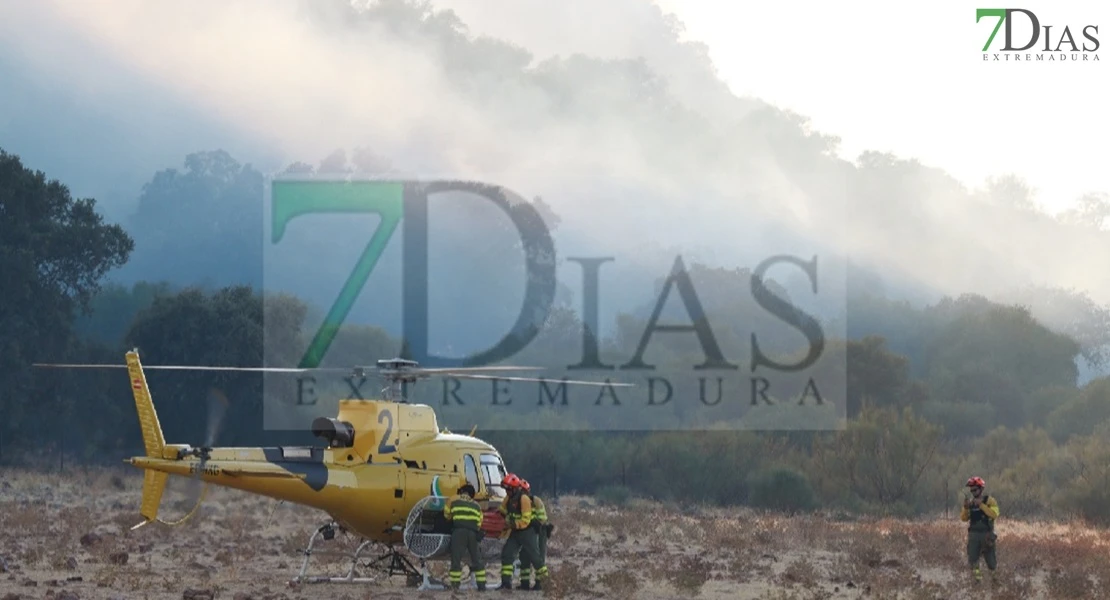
(494, 471)
(472, 472)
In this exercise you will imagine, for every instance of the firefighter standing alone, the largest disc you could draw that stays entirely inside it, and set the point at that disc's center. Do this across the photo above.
(523, 539)
(979, 512)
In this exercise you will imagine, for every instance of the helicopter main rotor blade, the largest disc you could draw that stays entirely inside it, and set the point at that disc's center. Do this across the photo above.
(441, 370)
(574, 381)
(413, 371)
(457, 372)
(195, 368)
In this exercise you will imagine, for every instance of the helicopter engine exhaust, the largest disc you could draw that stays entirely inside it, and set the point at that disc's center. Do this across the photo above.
(338, 434)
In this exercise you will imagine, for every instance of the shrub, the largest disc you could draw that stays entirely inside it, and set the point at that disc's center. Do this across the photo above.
(961, 420)
(780, 488)
(613, 495)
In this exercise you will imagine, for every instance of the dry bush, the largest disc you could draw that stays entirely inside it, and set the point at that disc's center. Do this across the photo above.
(1100, 569)
(1069, 555)
(801, 572)
(725, 534)
(866, 554)
(1012, 586)
(566, 580)
(1023, 554)
(568, 527)
(769, 534)
(846, 569)
(928, 590)
(810, 531)
(892, 578)
(295, 542)
(689, 574)
(240, 525)
(1070, 582)
(634, 522)
(630, 552)
(782, 595)
(742, 566)
(620, 584)
(124, 522)
(18, 517)
(594, 518)
(938, 545)
(838, 538)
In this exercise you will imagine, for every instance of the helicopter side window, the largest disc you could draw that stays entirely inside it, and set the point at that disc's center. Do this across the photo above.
(471, 472)
(494, 471)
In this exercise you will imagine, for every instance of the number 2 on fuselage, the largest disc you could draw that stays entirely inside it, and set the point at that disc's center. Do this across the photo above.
(383, 446)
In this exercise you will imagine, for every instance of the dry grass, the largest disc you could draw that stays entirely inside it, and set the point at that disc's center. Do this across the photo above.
(68, 538)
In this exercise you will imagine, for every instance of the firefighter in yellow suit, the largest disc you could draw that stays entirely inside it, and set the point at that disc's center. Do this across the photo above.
(465, 516)
(979, 512)
(543, 531)
(522, 538)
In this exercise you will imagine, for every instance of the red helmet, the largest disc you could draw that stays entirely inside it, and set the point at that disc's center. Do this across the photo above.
(524, 484)
(976, 482)
(510, 481)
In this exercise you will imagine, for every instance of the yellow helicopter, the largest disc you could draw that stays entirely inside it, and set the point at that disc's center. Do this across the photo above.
(384, 474)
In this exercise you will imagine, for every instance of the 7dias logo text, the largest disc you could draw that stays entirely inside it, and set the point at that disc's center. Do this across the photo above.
(1026, 38)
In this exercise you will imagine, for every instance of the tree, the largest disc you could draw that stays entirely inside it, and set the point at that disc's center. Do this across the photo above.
(230, 327)
(878, 377)
(1088, 468)
(997, 355)
(1011, 191)
(238, 327)
(900, 325)
(1017, 464)
(1091, 211)
(193, 328)
(881, 456)
(113, 309)
(1082, 413)
(1072, 313)
(205, 221)
(54, 251)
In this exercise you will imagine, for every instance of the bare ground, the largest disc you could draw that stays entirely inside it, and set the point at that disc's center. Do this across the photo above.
(67, 537)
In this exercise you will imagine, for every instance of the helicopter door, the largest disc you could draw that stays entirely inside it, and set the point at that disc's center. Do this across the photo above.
(471, 470)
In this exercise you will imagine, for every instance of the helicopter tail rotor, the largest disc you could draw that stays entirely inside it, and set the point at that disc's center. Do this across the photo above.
(217, 410)
(198, 489)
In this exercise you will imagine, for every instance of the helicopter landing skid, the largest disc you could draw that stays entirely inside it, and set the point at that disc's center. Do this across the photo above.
(327, 531)
(397, 563)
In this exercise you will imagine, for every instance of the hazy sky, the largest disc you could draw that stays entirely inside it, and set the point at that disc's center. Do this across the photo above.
(884, 76)
(911, 79)
(896, 77)
(178, 77)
